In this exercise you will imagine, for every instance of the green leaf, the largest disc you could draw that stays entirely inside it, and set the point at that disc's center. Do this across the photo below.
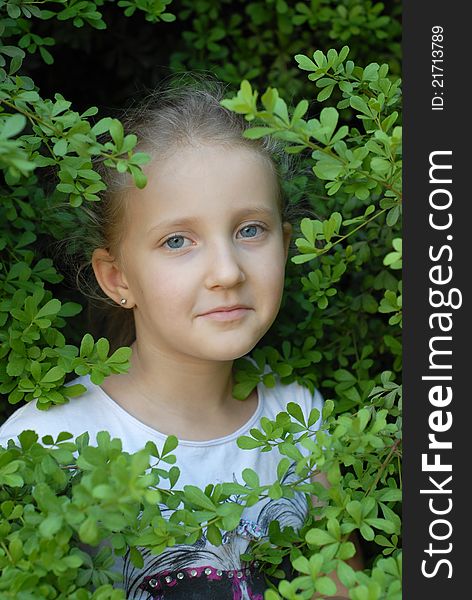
(275, 491)
(325, 93)
(367, 532)
(334, 528)
(12, 126)
(231, 516)
(346, 574)
(27, 438)
(257, 132)
(354, 508)
(51, 525)
(88, 532)
(393, 216)
(319, 537)
(116, 132)
(389, 494)
(174, 474)
(63, 436)
(296, 412)
(328, 168)
(60, 147)
(170, 444)
(136, 557)
(300, 259)
(329, 120)
(197, 497)
(290, 450)
(102, 346)
(325, 586)
(369, 303)
(243, 389)
(302, 565)
(49, 309)
(359, 104)
(314, 416)
(120, 355)
(370, 73)
(86, 346)
(380, 165)
(247, 443)
(103, 491)
(344, 375)
(251, 478)
(382, 524)
(300, 110)
(246, 92)
(305, 63)
(53, 375)
(310, 228)
(15, 549)
(319, 58)
(102, 126)
(283, 467)
(70, 309)
(346, 550)
(213, 535)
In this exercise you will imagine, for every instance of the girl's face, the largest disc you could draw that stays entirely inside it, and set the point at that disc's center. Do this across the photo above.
(203, 258)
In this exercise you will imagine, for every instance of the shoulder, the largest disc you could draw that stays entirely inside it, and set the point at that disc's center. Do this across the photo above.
(75, 416)
(277, 397)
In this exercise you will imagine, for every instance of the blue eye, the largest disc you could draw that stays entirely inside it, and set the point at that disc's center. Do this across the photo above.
(175, 242)
(250, 231)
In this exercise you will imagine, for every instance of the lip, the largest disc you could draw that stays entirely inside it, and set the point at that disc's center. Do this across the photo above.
(227, 313)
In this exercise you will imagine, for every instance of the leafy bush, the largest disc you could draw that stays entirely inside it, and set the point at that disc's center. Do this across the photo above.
(257, 40)
(339, 328)
(237, 39)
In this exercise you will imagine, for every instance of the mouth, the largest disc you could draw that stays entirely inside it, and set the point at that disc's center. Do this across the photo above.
(227, 313)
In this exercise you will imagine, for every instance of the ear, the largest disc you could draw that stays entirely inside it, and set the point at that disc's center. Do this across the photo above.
(110, 277)
(287, 235)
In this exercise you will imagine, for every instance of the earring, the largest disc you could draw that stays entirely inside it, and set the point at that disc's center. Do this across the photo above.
(123, 301)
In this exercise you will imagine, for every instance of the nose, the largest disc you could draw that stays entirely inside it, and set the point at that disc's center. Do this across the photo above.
(224, 268)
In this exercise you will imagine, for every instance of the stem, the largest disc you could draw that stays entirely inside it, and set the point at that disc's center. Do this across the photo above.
(367, 175)
(383, 466)
(344, 237)
(34, 118)
(6, 551)
(353, 336)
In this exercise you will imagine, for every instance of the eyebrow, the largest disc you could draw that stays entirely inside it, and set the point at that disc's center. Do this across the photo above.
(186, 221)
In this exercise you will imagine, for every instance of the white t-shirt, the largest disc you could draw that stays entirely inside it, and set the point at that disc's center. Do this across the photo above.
(200, 571)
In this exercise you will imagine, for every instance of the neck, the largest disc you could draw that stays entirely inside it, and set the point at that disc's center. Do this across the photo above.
(190, 399)
(190, 388)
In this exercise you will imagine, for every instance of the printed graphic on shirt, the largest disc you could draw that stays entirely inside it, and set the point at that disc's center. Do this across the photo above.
(202, 571)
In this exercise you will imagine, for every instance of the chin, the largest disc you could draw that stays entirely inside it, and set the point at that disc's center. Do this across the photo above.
(231, 353)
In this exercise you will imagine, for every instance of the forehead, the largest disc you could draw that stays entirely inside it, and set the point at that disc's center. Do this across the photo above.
(204, 180)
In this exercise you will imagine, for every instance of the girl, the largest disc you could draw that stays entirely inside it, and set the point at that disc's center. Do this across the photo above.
(195, 264)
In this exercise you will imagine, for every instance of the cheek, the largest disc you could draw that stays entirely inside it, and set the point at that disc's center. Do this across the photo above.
(160, 289)
(271, 273)
(176, 289)
(169, 292)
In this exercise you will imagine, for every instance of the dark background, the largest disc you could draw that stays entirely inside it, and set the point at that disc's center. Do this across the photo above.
(426, 131)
